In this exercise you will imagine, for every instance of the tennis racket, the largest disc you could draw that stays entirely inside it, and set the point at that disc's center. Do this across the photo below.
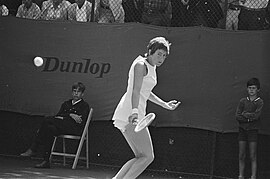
(144, 122)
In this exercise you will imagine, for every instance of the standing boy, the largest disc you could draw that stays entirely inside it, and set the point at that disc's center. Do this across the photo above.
(248, 115)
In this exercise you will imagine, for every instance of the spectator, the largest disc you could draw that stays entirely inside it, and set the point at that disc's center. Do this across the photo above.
(80, 11)
(267, 19)
(179, 13)
(233, 11)
(3, 9)
(105, 13)
(70, 119)
(204, 13)
(54, 10)
(132, 14)
(156, 12)
(253, 15)
(28, 10)
(248, 114)
(111, 11)
(39, 3)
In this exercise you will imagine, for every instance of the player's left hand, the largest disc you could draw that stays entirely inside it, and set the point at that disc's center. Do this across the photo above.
(172, 105)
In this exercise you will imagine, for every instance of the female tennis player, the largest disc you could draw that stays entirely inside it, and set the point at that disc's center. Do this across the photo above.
(132, 106)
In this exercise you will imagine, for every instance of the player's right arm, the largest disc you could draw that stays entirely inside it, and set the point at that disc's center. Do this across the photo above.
(139, 73)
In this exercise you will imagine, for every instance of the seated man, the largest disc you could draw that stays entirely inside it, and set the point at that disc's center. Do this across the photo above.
(267, 19)
(156, 12)
(110, 11)
(54, 10)
(179, 13)
(233, 10)
(70, 119)
(80, 11)
(205, 13)
(253, 15)
(132, 13)
(28, 10)
(3, 9)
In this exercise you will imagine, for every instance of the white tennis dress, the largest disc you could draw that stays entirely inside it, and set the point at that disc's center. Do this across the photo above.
(124, 108)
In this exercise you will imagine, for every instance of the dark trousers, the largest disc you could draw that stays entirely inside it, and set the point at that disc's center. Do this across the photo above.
(180, 14)
(132, 14)
(50, 128)
(252, 20)
(156, 18)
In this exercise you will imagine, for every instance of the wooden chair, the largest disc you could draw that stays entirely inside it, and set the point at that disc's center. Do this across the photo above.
(84, 137)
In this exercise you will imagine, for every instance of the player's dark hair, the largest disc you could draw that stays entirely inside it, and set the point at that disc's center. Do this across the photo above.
(158, 43)
(79, 85)
(254, 81)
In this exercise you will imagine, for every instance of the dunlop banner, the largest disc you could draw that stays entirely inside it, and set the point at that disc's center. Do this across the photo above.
(207, 69)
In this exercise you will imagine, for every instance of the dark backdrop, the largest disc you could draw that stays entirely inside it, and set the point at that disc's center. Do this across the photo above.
(207, 69)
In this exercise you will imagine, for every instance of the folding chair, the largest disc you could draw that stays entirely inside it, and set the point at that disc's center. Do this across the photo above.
(82, 138)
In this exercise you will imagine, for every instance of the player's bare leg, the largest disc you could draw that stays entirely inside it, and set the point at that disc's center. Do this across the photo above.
(141, 145)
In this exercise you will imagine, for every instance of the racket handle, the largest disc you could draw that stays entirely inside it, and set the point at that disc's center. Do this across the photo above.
(135, 110)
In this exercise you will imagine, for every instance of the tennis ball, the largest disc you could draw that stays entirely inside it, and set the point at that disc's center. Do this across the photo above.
(38, 61)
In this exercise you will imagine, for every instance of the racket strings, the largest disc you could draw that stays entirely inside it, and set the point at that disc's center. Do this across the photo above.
(146, 120)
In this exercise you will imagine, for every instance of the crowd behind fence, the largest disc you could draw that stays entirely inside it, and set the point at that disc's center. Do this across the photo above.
(225, 14)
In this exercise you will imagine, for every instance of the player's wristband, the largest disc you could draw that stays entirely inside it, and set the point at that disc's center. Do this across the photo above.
(135, 110)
